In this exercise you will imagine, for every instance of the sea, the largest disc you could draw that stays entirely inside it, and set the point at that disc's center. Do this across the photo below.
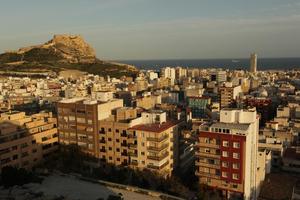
(262, 63)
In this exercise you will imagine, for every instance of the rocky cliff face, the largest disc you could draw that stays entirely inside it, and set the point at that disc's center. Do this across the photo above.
(61, 48)
(60, 53)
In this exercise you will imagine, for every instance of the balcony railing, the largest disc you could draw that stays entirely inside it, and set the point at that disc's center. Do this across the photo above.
(132, 146)
(123, 134)
(207, 155)
(124, 144)
(102, 150)
(198, 173)
(102, 141)
(210, 145)
(156, 139)
(135, 163)
(158, 157)
(158, 167)
(160, 148)
(212, 166)
(132, 136)
(132, 154)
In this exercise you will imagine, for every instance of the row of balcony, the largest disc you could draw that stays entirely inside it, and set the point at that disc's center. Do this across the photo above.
(158, 167)
(207, 155)
(214, 176)
(158, 148)
(208, 145)
(158, 157)
(203, 164)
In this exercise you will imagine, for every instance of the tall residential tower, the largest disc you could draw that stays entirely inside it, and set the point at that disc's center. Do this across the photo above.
(253, 62)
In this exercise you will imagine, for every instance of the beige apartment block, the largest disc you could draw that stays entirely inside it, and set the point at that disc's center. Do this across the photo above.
(26, 140)
(154, 146)
(78, 122)
(113, 138)
(148, 141)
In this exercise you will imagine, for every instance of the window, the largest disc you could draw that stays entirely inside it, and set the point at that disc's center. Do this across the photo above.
(118, 150)
(24, 154)
(235, 176)
(235, 165)
(236, 155)
(80, 120)
(33, 141)
(143, 153)
(15, 157)
(109, 148)
(109, 139)
(204, 169)
(118, 159)
(89, 129)
(24, 145)
(117, 140)
(224, 153)
(236, 145)
(225, 143)
(110, 158)
(224, 174)
(211, 161)
(225, 164)
(207, 150)
(71, 118)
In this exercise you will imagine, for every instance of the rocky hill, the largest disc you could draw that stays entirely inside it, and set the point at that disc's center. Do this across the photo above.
(60, 53)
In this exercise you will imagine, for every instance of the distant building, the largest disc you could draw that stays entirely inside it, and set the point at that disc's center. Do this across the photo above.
(198, 106)
(26, 140)
(228, 94)
(253, 63)
(218, 76)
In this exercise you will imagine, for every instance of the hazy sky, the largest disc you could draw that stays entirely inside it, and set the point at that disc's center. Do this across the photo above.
(158, 29)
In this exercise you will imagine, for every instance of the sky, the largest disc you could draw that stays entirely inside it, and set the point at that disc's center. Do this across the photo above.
(158, 29)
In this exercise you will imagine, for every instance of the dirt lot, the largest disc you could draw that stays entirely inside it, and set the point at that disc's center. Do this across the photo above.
(278, 186)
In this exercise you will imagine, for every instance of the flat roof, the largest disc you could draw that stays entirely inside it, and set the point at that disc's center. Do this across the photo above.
(234, 126)
(155, 127)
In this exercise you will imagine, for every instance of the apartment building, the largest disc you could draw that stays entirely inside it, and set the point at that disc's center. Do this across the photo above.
(78, 121)
(198, 106)
(141, 141)
(227, 154)
(26, 140)
(228, 94)
(154, 143)
(114, 141)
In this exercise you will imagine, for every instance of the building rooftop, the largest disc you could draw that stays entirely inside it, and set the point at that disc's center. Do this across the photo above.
(236, 126)
(155, 127)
